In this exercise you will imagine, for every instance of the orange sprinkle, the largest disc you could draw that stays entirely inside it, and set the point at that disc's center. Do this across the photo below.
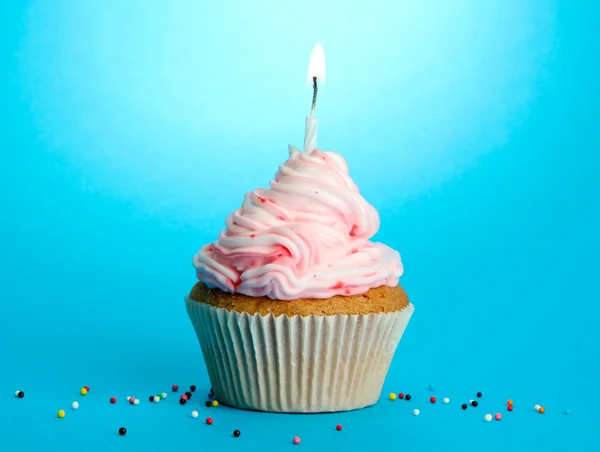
(509, 402)
(542, 409)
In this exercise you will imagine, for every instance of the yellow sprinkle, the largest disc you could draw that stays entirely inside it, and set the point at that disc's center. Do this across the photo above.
(215, 403)
(61, 413)
(392, 396)
(83, 391)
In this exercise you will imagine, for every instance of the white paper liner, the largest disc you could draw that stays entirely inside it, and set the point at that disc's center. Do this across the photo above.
(297, 364)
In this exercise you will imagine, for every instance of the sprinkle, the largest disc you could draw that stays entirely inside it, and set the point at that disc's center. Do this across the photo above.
(401, 395)
(464, 406)
(156, 399)
(446, 400)
(536, 407)
(189, 394)
(338, 427)
(474, 403)
(19, 394)
(132, 400)
(392, 396)
(175, 388)
(416, 412)
(407, 397)
(193, 388)
(208, 404)
(61, 413)
(83, 391)
(128, 397)
(87, 388)
(479, 394)
(151, 398)
(209, 420)
(509, 407)
(75, 405)
(163, 395)
(215, 403)
(487, 417)
(184, 397)
(194, 414)
(509, 402)
(182, 401)
(542, 410)
(497, 416)
(122, 431)
(296, 440)
(136, 402)
(432, 399)
(159, 396)
(237, 433)
(113, 400)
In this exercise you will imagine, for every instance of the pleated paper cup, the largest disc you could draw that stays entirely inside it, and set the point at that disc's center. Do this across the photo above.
(297, 364)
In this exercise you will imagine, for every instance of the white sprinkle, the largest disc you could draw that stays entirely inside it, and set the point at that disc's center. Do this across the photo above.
(75, 405)
(17, 393)
(446, 400)
(128, 397)
(136, 402)
(416, 412)
(536, 407)
(194, 414)
(164, 395)
(470, 402)
(156, 399)
(487, 417)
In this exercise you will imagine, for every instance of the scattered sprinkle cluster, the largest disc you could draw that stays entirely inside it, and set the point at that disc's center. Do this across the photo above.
(212, 402)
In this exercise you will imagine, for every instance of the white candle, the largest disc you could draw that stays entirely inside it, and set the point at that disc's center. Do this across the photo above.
(316, 68)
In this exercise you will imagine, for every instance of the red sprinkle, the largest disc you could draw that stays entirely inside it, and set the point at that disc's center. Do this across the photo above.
(401, 395)
(252, 236)
(509, 408)
(175, 388)
(113, 400)
(338, 428)
(132, 400)
(296, 440)
(209, 420)
(432, 399)
(87, 388)
(184, 397)
(337, 285)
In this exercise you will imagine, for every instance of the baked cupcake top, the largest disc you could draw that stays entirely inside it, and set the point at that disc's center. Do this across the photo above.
(307, 236)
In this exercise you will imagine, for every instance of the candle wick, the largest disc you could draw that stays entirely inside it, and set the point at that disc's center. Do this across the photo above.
(314, 101)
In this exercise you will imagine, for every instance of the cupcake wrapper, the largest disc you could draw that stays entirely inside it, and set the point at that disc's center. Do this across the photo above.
(297, 364)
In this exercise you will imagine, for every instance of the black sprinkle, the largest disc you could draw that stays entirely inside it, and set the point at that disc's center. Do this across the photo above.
(464, 406)
(474, 403)
(208, 404)
(182, 401)
(407, 397)
(193, 388)
(122, 431)
(479, 394)
(189, 394)
(236, 433)
(21, 394)
(151, 398)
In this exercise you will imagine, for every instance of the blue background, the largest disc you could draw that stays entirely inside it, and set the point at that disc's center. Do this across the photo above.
(129, 130)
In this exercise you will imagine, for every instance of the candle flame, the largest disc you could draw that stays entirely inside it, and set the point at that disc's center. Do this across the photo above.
(316, 66)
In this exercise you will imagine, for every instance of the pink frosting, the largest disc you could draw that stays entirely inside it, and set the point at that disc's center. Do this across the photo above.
(305, 237)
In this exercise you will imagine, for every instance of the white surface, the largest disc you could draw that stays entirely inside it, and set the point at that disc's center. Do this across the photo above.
(299, 364)
(310, 134)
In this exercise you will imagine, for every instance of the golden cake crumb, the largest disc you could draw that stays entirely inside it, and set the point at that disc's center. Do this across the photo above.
(377, 300)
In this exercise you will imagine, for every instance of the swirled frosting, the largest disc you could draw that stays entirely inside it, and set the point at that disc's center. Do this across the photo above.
(307, 236)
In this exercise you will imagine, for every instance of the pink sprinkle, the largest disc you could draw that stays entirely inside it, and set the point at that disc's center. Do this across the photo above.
(497, 416)
(348, 291)
(316, 193)
(296, 440)
(337, 285)
(252, 236)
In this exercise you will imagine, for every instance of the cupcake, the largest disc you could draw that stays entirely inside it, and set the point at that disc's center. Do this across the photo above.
(295, 309)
